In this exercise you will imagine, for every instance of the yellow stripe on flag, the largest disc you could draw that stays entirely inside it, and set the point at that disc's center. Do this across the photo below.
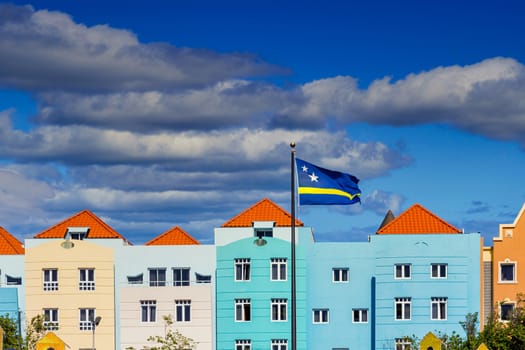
(317, 190)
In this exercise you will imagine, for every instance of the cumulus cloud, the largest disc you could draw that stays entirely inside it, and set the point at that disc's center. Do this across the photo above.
(22, 198)
(70, 56)
(131, 129)
(231, 150)
(486, 98)
(380, 202)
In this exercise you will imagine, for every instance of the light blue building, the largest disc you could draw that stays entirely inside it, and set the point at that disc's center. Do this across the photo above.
(417, 274)
(340, 297)
(12, 298)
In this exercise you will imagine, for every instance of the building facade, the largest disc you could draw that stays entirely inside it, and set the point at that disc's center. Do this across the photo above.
(507, 266)
(416, 274)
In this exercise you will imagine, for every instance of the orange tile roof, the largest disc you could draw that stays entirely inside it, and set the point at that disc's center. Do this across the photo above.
(174, 236)
(85, 218)
(417, 220)
(265, 210)
(9, 245)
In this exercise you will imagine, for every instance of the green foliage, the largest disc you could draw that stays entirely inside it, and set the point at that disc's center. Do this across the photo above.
(35, 330)
(11, 335)
(172, 340)
(454, 341)
(508, 335)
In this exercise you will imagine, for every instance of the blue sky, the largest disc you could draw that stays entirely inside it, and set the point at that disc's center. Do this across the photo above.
(155, 114)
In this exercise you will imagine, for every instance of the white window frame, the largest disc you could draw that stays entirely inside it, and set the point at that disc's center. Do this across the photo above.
(320, 316)
(402, 271)
(157, 281)
(183, 311)
(242, 267)
(340, 274)
(86, 279)
(507, 303)
(279, 310)
(181, 280)
(243, 310)
(278, 269)
(148, 311)
(50, 319)
(438, 271)
(279, 344)
(402, 303)
(502, 264)
(440, 306)
(360, 315)
(243, 344)
(85, 318)
(77, 233)
(403, 344)
(50, 279)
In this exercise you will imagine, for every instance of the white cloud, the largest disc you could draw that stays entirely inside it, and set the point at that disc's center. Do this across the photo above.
(72, 56)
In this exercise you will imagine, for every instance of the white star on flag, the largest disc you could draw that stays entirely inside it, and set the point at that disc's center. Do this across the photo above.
(314, 178)
(305, 169)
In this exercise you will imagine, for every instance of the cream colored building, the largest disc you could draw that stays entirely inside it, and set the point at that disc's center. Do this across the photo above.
(71, 282)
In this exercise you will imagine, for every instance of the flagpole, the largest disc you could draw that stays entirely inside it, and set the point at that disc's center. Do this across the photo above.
(292, 243)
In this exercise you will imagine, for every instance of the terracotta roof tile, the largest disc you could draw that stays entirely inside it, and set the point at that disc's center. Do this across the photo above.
(85, 218)
(265, 210)
(417, 220)
(174, 236)
(9, 245)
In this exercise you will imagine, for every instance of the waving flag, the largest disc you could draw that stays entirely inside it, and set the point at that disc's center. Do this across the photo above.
(322, 186)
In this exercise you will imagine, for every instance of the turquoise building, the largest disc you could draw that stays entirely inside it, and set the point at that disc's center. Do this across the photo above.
(253, 280)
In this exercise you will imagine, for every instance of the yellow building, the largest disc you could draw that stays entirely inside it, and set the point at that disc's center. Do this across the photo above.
(70, 280)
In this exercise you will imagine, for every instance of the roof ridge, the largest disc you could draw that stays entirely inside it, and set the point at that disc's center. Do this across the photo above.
(59, 223)
(169, 231)
(409, 211)
(92, 216)
(9, 238)
(246, 210)
(280, 213)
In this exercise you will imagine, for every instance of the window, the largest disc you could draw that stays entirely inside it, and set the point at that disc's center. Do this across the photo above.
(279, 307)
(439, 308)
(136, 279)
(50, 279)
(78, 233)
(182, 310)
(402, 307)
(51, 319)
(13, 281)
(181, 276)
(278, 269)
(86, 317)
(202, 278)
(242, 269)
(402, 271)
(340, 275)
(438, 270)
(157, 277)
(507, 272)
(148, 310)
(242, 310)
(403, 344)
(506, 310)
(263, 232)
(86, 279)
(320, 315)
(279, 344)
(359, 315)
(243, 344)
